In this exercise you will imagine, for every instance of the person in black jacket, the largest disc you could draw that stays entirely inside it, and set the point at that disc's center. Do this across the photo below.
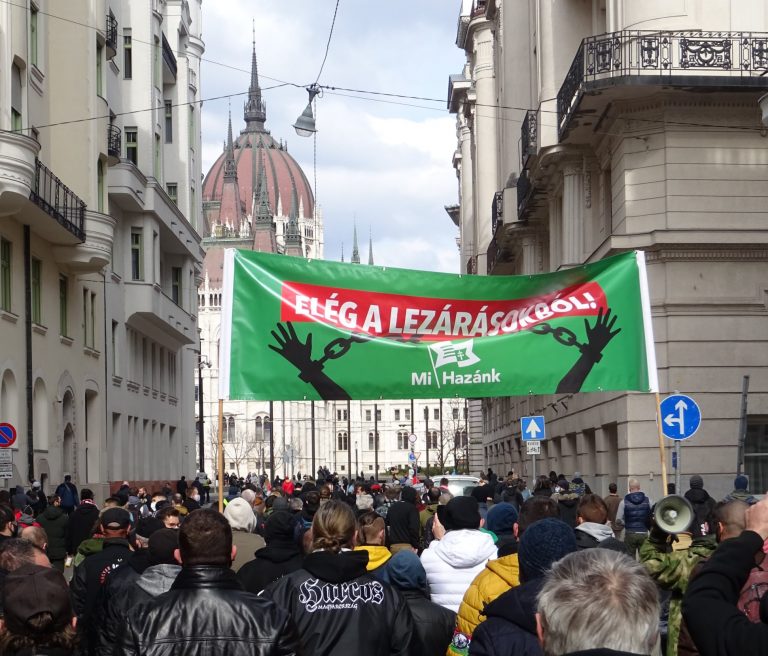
(338, 607)
(148, 573)
(90, 575)
(403, 525)
(281, 556)
(703, 506)
(82, 521)
(714, 621)
(433, 623)
(206, 611)
(510, 627)
(54, 521)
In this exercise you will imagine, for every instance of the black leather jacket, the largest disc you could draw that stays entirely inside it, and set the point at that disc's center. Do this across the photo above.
(340, 609)
(207, 612)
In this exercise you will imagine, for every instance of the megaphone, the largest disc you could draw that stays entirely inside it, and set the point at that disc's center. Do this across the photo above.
(673, 514)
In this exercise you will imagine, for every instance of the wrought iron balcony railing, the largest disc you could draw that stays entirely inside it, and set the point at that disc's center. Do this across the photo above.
(110, 35)
(472, 265)
(168, 57)
(58, 200)
(114, 140)
(524, 191)
(529, 135)
(727, 59)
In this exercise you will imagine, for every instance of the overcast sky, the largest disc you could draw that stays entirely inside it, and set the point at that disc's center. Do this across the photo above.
(386, 165)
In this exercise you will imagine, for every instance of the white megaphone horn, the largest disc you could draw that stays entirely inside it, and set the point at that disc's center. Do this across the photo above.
(673, 514)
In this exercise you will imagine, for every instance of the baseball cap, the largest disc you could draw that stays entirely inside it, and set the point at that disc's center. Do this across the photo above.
(31, 590)
(115, 518)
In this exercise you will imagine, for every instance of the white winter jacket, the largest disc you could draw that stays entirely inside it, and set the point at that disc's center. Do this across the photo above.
(453, 563)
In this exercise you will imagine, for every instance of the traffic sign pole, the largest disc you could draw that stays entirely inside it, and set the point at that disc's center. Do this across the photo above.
(662, 453)
(677, 469)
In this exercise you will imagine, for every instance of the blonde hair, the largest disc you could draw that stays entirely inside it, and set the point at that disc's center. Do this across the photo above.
(333, 527)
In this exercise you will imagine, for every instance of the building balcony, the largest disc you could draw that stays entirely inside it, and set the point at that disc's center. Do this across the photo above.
(625, 64)
(169, 63)
(529, 136)
(157, 316)
(114, 144)
(499, 259)
(110, 36)
(96, 251)
(53, 199)
(18, 154)
(472, 265)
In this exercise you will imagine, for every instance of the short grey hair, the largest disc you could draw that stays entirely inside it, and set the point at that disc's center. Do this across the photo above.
(633, 482)
(598, 598)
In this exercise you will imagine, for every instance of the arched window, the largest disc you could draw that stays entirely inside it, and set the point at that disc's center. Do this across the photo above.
(373, 444)
(432, 437)
(402, 440)
(231, 429)
(343, 441)
(258, 429)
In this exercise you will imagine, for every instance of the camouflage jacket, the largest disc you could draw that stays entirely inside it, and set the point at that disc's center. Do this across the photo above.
(671, 570)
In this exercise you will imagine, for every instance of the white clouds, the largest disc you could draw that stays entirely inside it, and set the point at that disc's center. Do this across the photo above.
(386, 164)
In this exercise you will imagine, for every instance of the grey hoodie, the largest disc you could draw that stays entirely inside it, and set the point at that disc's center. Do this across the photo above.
(158, 579)
(590, 534)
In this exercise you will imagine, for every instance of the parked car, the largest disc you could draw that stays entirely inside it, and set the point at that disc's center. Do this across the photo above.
(460, 484)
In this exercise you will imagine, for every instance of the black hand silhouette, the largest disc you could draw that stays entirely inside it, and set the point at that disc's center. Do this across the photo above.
(600, 334)
(299, 354)
(598, 337)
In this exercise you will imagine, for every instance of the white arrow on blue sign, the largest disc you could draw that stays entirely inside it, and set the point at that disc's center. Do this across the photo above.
(680, 417)
(533, 428)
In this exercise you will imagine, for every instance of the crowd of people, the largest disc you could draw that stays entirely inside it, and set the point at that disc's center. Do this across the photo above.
(331, 566)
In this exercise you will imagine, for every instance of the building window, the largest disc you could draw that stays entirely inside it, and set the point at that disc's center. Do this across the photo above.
(460, 439)
(397, 415)
(172, 189)
(158, 158)
(100, 185)
(338, 415)
(5, 275)
(132, 145)
(136, 254)
(432, 439)
(378, 415)
(127, 55)
(16, 105)
(197, 396)
(156, 72)
(172, 374)
(63, 305)
(191, 126)
(168, 122)
(407, 414)
(33, 36)
(37, 290)
(176, 285)
(437, 413)
(756, 453)
(114, 348)
(455, 413)
(373, 445)
(367, 415)
(99, 70)
(402, 440)
(92, 324)
(342, 440)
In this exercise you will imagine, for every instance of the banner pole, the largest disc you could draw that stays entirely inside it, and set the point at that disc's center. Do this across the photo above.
(220, 439)
(662, 454)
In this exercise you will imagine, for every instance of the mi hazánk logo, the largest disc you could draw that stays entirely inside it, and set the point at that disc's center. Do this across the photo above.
(458, 354)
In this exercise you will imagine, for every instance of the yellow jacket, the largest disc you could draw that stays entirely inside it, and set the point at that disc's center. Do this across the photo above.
(377, 556)
(498, 576)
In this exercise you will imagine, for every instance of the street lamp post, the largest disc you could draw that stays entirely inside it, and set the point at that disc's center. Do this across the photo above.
(357, 461)
(376, 441)
(201, 362)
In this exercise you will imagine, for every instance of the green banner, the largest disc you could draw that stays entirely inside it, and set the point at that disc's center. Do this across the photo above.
(294, 329)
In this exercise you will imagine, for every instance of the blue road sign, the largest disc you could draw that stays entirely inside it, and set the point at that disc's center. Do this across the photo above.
(411, 456)
(680, 417)
(7, 435)
(533, 428)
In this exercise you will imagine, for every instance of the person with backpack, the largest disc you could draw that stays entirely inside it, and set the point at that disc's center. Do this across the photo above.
(67, 492)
